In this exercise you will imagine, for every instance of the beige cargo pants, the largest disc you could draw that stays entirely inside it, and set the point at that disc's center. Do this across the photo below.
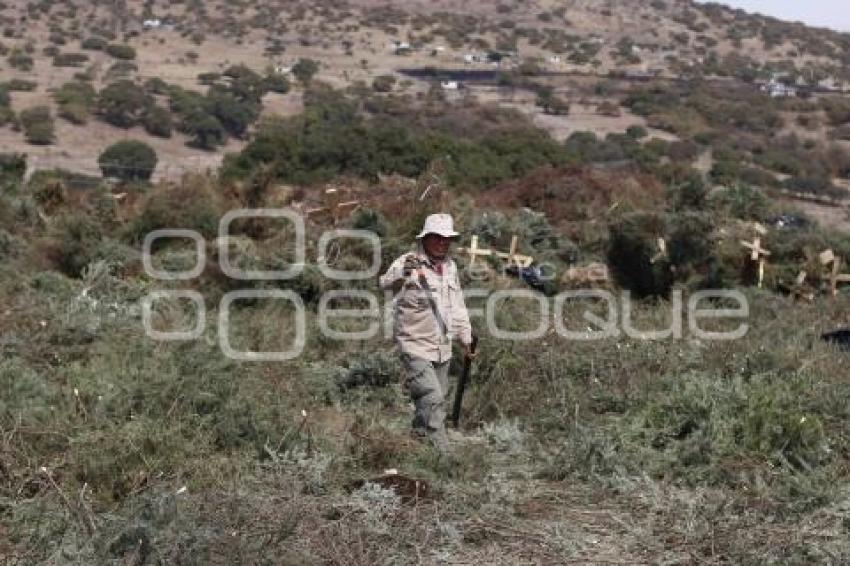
(428, 383)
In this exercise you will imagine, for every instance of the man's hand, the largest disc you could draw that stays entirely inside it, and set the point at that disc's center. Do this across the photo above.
(411, 264)
(468, 353)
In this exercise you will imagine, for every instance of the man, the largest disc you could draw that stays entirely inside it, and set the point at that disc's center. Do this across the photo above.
(429, 313)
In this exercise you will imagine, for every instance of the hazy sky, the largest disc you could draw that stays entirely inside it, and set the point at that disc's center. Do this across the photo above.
(827, 13)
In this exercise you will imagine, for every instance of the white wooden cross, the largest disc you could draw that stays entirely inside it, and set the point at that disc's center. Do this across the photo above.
(758, 254)
(474, 251)
(333, 205)
(828, 257)
(662, 251)
(512, 257)
(836, 277)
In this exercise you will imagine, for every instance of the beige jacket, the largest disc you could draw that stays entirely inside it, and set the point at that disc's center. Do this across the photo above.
(416, 329)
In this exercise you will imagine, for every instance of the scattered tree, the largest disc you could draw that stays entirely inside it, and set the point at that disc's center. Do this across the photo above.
(304, 70)
(94, 43)
(157, 122)
(276, 82)
(383, 83)
(128, 160)
(123, 103)
(206, 130)
(38, 125)
(75, 101)
(121, 51)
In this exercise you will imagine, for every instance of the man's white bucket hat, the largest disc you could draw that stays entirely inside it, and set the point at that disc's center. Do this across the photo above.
(441, 224)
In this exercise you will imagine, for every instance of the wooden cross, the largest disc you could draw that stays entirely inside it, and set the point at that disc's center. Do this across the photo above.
(758, 254)
(512, 253)
(799, 289)
(837, 277)
(512, 257)
(662, 251)
(333, 205)
(828, 257)
(474, 251)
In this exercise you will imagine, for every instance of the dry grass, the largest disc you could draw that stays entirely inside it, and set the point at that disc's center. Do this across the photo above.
(116, 448)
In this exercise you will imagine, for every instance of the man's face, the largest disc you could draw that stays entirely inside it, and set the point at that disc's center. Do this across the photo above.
(436, 246)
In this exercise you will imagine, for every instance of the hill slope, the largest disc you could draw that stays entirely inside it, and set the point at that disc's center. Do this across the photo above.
(353, 41)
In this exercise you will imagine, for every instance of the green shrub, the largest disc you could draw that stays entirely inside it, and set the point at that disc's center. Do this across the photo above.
(758, 177)
(37, 123)
(685, 151)
(818, 186)
(741, 201)
(690, 194)
(205, 130)
(208, 78)
(788, 161)
(75, 101)
(585, 147)
(330, 138)
(556, 106)
(157, 122)
(123, 104)
(167, 209)
(75, 238)
(75, 112)
(156, 85)
(234, 114)
(70, 59)
(690, 249)
(837, 110)
(332, 145)
(378, 369)
(246, 85)
(13, 167)
(86, 76)
(120, 70)
(21, 61)
(11, 246)
(94, 43)
(383, 83)
(276, 82)
(128, 160)
(371, 221)
(121, 51)
(21, 85)
(304, 70)
(725, 172)
(184, 102)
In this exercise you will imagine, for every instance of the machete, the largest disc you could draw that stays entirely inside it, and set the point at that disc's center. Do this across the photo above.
(461, 384)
